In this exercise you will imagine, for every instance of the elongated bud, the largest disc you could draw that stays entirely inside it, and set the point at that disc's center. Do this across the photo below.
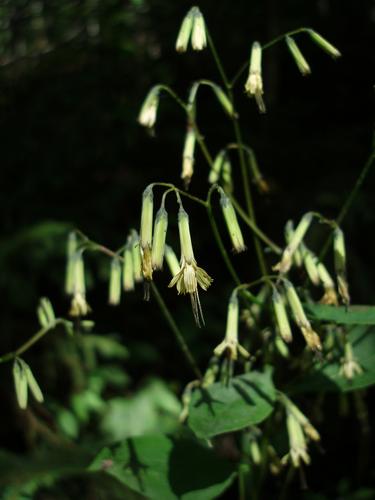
(231, 221)
(226, 174)
(298, 56)
(281, 317)
(128, 268)
(188, 156)
(79, 306)
(254, 83)
(340, 265)
(33, 384)
(286, 260)
(230, 343)
(281, 347)
(146, 231)
(185, 32)
(136, 256)
(172, 260)
(46, 314)
(185, 238)
(330, 296)
(297, 441)
(20, 383)
(311, 265)
(158, 242)
(71, 250)
(311, 337)
(215, 171)
(289, 232)
(114, 295)
(147, 114)
(223, 100)
(324, 44)
(198, 35)
(255, 452)
(258, 178)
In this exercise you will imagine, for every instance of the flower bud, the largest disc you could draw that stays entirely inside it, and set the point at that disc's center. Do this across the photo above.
(286, 260)
(281, 347)
(226, 174)
(324, 44)
(185, 238)
(172, 260)
(281, 317)
(20, 383)
(215, 171)
(289, 231)
(297, 441)
(79, 306)
(339, 253)
(45, 312)
(232, 223)
(136, 257)
(223, 100)
(254, 83)
(198, 35)
(185, 32)
(158, 242)
(330, 296)
(71, 250)
(188, 156)
(146, 231)
(147, 115)
(128, 268)
(114, 295)
(33, 384)
(297, 56)
(311, 265)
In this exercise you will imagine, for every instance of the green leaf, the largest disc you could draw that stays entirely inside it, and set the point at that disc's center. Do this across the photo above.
(325, 376)
(167, 468)
(353, 315)
(247, 400)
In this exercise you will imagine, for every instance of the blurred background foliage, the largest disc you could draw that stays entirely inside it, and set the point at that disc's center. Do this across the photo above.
(72, 77)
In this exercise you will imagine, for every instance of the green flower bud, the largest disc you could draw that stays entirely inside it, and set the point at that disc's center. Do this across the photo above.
(198, 35)
(146, 231)
(114, 295)
(286, 260)
(329, 296)
(254, 83)
(226, 174)
(324, 44)
(281, 317)
(172, 260)
(136, 256)
(223, 100)
(289, 232)
(188, 156)
(215, 171)
(297, 441)
(20, 383)
(79, 306)
(71, 250)
(311, 265)
(147, 115)
(158, 242)
(232, 223)
(339, 253)
(185, 238)
(46, 314)
(298, 56)
(33, 384)
(185, 32)
(128, 267)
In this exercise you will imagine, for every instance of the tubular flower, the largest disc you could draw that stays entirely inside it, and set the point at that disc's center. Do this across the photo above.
(189, 275)
(254, 83)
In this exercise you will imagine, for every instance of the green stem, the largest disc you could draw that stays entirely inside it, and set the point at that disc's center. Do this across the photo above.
(177, 333)
(349, 201)
(24, 347)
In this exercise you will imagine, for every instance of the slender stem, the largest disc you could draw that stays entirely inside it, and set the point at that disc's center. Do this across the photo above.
(173, 94)
(181, 192)
(177, 333)
(26, 346)
(349, 200)
(218, 61)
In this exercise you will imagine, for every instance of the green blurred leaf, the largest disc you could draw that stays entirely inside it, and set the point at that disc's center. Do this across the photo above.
(162, 467)
(247, 400)
(106, 346)
(154, 408)
(353, 315)
(325, 376)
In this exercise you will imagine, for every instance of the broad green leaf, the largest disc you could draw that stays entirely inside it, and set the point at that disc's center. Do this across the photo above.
(167, 468)
(247, 400)
(325, 376)
(20, 383)
(353, 315)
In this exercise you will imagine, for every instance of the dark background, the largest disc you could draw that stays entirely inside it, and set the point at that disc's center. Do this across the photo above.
(72, 78)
